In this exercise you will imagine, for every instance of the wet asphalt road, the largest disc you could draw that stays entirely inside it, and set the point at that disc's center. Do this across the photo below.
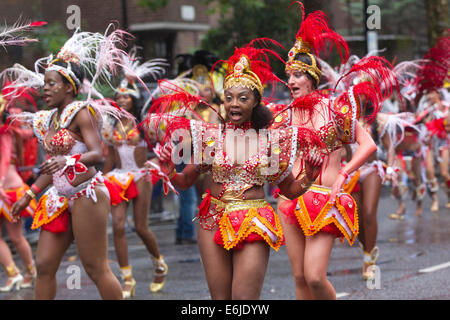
(414, 263)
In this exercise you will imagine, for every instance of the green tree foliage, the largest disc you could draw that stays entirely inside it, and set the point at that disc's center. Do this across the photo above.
(242, 21)
(153, 5)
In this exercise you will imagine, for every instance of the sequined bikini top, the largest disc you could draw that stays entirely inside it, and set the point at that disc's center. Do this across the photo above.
(62, 143)
(239, 176)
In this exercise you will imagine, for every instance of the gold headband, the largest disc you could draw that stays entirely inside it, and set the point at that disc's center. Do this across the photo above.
(243, 76)
(301, 46)
(66, 73)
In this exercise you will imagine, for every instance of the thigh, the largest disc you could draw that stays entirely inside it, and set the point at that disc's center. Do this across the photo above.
(141, 204)
(14, 230)
(295, 245)
(89, 223)
(317, 253)
(249, 270)
(371, 189)
(217, 264)
(51, 248)
(444, 164)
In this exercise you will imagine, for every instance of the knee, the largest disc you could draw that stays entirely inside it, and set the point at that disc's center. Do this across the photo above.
(315, 280)
(141, 229)
(300, 280)
(45, 267)
(16, 239)
(118, 227)
(94, 270)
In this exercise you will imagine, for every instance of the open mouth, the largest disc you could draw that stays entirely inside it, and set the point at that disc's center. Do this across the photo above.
(235, 116)
(295, 91)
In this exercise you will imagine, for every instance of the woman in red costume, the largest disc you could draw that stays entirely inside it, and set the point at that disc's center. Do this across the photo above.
(124, 168)
(238, 226)
(77, 205)
(12, 188)
(313, 221)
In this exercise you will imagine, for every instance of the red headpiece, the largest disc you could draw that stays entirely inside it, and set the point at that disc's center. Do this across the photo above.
(313, 37)
(436, 70)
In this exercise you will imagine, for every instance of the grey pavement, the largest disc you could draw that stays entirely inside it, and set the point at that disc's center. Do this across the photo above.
(414, 263)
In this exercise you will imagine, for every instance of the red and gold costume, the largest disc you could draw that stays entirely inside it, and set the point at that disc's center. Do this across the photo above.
(52, 213)
(341, 112)
(238, 220)
(9, 157)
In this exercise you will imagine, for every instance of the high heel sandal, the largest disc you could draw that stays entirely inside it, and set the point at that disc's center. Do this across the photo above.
(128, 281)
(29, 278)
(129, 293)
(161, 266)
(369, 259)
(14, 278)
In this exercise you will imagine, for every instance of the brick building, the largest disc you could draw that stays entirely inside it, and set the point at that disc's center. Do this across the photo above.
(172, 30)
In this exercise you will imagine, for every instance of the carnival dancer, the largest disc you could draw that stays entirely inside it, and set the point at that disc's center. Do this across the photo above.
(324, 212)
(12, 187)
(124, 168)
(237, 225)
(76, 207)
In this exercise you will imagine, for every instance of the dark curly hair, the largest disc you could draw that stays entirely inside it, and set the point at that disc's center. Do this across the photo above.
(261, 115)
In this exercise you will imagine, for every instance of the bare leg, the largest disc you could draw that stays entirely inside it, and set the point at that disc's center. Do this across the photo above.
(217, 264)
(18, 240)
(371, 189)
(416, 167)
(295, 247)
(249, 270)
(6, 258)
(120, 241)
(431, 177)
(317, 254)
(89, 223)
(141, 205)
(49, 253)
(443, 167)
(23, 248)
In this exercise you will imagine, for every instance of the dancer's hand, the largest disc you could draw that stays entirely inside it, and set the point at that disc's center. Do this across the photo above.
(19, 206)
(52, 165)
(336, 188)
(313, 164)
(166, 163)
(5, 197)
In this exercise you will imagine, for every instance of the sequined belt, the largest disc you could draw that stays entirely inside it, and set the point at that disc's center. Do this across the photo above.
(208, 219)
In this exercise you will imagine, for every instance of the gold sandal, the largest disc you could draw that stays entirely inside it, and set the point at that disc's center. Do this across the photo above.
(369, 260)
(161, 266)
(127, 276)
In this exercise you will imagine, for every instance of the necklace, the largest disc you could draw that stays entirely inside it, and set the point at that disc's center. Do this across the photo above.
(55, 121)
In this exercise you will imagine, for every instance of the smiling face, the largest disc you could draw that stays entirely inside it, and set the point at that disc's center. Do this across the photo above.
(125, 102)
(56, 91)
(239, 103)
(299, 83)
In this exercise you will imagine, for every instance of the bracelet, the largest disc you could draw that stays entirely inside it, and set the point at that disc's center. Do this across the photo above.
(172, 174)
(30, 193)
(35, 188)
(344, 173)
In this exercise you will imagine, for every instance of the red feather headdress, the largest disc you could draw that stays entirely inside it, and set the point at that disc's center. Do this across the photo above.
(432, 76)
(249, 66)
(313, 38)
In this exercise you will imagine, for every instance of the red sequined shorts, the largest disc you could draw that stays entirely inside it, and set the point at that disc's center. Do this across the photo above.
(241, 221)
(313, 213)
